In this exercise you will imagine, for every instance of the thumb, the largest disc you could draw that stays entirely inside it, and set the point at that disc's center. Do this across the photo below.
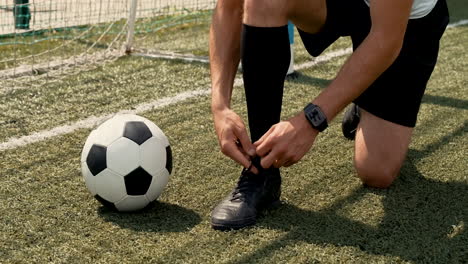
(247, 146)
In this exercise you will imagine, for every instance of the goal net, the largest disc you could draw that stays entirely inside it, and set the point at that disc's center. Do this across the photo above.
(172, 27)
(44, 40)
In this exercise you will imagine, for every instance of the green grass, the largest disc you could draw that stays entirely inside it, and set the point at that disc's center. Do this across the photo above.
(110, 88)
(48, 216)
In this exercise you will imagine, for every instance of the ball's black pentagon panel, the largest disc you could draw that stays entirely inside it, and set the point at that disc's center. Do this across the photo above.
(105, 202)
(96, 159)
(137, 131)
(169, 159)
(137, 182)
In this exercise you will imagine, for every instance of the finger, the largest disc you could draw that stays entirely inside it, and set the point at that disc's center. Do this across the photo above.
(276, 164)
(231, 150)
(269, 159)
(263, 138)
(291, 161)
(247, 155)
(264, 146)
(252, 168)
(279, 163)
(245, 143)
(288, 163)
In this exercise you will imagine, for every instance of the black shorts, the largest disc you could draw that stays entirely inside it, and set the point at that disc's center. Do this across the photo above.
(396, 95)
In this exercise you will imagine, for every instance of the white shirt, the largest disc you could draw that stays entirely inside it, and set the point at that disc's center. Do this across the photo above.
(420, 7)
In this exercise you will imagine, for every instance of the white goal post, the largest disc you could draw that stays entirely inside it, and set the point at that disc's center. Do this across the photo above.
(45, 40)
(131, 26)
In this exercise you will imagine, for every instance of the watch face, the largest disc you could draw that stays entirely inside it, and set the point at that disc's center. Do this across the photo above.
(315, 117)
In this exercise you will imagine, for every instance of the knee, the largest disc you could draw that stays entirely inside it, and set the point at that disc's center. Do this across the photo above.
(376, 175)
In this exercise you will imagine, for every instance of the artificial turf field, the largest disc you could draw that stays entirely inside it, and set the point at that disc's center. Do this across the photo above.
(48, 216)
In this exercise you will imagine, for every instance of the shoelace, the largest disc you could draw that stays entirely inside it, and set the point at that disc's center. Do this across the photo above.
(247, 184)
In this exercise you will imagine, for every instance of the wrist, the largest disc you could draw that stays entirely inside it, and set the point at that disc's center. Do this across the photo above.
(220, 100)
(219, 107)
(315, 117)
(305, 126)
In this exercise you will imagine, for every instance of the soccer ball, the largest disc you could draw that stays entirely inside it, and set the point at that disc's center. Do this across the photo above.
(126, 162)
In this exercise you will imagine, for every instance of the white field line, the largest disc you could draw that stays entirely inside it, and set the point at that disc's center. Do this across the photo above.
(169, 56)
(92, 121)
(172, 57)
(459, 23)
(324, 58)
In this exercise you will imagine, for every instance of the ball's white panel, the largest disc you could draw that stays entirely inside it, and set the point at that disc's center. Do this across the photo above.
(132, 203)
(123, 156)
(157, 132)
(153, 155)
(109, 131)
(88, 144)
(110, 186)
(158, 184)
(89, 178)
(129, 117)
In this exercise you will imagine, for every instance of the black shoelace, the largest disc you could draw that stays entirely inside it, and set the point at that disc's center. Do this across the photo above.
(248, 184)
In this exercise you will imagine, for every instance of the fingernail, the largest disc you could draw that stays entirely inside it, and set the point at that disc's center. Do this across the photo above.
(251, 152)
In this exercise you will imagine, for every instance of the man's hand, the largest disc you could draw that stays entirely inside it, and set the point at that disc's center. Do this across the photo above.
(233, 138)
(286, 142)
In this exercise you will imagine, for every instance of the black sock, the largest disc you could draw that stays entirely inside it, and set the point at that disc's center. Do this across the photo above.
(265, 60)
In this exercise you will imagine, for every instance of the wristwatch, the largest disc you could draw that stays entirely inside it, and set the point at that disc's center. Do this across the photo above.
(316, 117)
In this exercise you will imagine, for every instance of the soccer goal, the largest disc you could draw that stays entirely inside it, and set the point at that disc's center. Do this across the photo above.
(44, 40)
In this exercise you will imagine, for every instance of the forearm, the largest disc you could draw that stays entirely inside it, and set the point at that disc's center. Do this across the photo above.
(225, 33)
(363, 67)
(375, 54)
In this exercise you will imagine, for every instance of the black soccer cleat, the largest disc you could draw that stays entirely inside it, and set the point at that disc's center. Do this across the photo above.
(350, 122)
(252, 194)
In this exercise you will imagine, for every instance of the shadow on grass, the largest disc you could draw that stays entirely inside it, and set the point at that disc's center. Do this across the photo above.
(300, 78)
(445, 101)
(158, 217)
(425, 220)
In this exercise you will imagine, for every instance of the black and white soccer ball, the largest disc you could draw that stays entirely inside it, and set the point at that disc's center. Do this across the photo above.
(126, 162)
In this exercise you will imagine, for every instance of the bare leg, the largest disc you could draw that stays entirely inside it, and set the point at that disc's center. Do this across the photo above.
(308, 15)
(265, 54)
(380, 149)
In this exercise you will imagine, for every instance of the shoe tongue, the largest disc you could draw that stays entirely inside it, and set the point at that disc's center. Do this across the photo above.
(251, 177)
(248, 183)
